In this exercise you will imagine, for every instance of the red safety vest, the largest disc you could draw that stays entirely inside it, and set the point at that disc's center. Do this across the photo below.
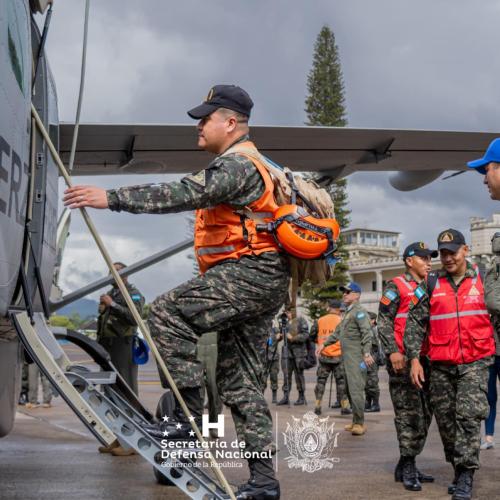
(223, 233)
(460, 329)
(406, 291)
(326, 326)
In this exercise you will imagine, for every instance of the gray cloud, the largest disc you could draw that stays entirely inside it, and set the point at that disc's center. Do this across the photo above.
(421, 65)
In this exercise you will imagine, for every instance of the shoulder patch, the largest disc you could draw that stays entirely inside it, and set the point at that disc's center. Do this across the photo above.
(390, 294)
(418, 294)
(360, 315)
(136, 296)
(198, 178)
(385, 300)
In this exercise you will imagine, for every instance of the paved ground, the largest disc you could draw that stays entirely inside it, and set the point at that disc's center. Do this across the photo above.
(50, 455)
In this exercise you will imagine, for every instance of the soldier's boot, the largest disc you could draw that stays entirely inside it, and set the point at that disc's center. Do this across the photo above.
(422, 477)
(317, 407)
(348, 427)
(463, 490)
(275, 397)
(368, 403)
(301, 400)
(358, 430)
(108, 449)
(284, 400)
(262, 484)
(453, 485)
(345, 407)
(375, 406)
(23, 398)
(409, 474)
(172, 429)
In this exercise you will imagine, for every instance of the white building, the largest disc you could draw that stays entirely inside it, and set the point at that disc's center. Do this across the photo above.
(482, 231)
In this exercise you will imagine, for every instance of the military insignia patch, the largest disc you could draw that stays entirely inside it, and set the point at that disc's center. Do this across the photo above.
(385, 300)
(474, 291)
(360, 315)
(198, 178)
(210, 95)
(418, 294)
(446, 237)
(136, 297)
(390, 294)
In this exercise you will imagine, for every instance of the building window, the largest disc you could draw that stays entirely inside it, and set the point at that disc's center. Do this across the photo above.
(374, 286)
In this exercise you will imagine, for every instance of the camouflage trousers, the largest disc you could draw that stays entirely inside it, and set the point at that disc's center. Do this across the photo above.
(372, 389)
(412, 409)
(238, 299)
(459, 399)
(322, 374)
(294, 364)
(272, 372)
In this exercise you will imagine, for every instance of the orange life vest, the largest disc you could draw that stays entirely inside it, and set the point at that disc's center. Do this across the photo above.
(326, 326)
(460, 329)
(222, 232)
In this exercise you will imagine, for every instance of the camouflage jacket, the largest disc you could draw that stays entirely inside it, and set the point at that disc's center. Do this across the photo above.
(231, 179)
(417, 323)
(299, 329)
(355, 325)
(116, 320)
(387, 311)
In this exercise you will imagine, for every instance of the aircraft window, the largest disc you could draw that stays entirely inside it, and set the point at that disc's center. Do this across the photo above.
(17, 36)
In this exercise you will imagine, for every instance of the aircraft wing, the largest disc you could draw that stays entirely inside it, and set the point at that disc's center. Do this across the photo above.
(331, 152)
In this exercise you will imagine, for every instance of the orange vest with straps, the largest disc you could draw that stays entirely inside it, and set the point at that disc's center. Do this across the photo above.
(460, 329)
(222, 232)
(406, 291)
(326, 326)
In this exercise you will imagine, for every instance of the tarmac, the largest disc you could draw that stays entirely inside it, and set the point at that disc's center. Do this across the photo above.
(51, 455)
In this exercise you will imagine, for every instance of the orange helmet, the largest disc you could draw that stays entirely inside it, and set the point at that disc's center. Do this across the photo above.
(302, 235)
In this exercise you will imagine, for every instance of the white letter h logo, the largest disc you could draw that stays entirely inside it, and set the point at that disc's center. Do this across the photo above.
(207, 425)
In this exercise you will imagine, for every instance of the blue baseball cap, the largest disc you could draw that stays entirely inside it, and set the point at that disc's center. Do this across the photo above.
(492, 154)
(351, 287)
(140, 351)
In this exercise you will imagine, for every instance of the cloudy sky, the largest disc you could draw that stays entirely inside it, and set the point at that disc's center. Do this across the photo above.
(431, 64)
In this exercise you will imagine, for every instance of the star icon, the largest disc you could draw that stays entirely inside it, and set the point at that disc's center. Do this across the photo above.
(165, 418)
(165, 433)
(191, 433)
(191, 418)
(178, 426)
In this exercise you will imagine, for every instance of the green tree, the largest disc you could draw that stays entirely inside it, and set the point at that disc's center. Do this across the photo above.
(325, 106)
(62, 321)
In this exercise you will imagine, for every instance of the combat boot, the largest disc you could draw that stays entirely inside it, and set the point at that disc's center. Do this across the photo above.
(301, 400)
(348, 427)
(262, 484)
(368, 403)
(345, 407)
(375, 406)
(463, 490)
(422, 477)
(358, 429)
(317, 410)
(284, 400)
(275, 397)
(409, 474)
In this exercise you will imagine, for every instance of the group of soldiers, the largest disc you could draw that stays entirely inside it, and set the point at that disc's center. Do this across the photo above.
(443, 323)
(357, 390)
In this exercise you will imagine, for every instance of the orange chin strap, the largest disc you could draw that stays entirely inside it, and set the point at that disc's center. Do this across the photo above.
(302, 235)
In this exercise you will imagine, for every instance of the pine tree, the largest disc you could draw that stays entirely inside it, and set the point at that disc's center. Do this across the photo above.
(325, 107)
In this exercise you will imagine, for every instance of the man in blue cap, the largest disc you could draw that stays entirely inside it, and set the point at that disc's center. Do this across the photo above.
(356, 338)
(489, 166)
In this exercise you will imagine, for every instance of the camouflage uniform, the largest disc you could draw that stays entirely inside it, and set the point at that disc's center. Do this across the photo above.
(326, 366)
(273, 361)
(115, 329)
(237, 298)
(412, 409)
(356, 338)
(293, 358)
(372, 388)
(458, 393)
(207, 354)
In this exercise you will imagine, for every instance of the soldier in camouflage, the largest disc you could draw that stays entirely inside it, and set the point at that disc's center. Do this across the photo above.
(461, 344)
(372, 388)
(273, 363)
(412, 408)
(116, 327)
(237, 297)
(293, 356)
(356, 337)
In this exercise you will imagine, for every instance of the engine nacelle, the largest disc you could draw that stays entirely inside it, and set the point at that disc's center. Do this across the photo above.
(409, 180)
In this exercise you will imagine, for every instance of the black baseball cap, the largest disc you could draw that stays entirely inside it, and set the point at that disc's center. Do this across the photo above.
(223, 96)
(420, 249)
(450, 239)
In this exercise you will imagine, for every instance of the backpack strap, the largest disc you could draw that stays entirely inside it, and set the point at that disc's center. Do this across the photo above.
(432, 280)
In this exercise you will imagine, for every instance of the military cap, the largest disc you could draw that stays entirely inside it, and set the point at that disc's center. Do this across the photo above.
(450, 239)
(420, 249)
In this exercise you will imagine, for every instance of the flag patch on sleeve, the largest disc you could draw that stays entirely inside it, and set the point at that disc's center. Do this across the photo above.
(418, 294)
(360, 315)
